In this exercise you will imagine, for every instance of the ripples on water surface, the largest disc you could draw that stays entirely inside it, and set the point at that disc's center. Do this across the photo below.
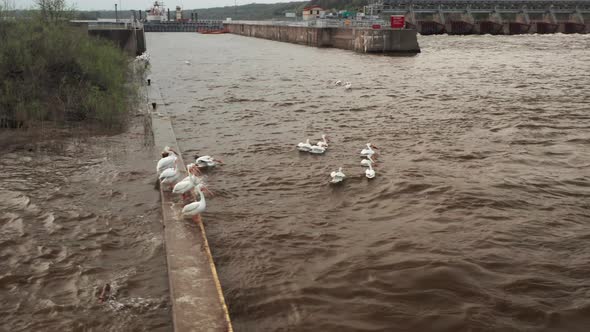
(478, 219)
(76, 214)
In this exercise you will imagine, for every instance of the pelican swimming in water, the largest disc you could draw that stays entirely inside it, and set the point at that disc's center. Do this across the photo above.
(305, 147)
(168, 160)
(323, 143)
(337, 176)
(370, 172)
(195, 209)
(338, 82)
(348, 85)
(187, 62)
(368, 161)
(207, 161)
(368, 151)
(316, 149)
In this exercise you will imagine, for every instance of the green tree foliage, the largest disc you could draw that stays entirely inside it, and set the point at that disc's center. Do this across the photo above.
(252, 11)
(6, 7)
(340, 4)
(256, 11)
(54, 10)
(54, 72)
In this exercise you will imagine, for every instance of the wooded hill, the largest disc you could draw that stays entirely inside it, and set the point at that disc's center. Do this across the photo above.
(253, 11)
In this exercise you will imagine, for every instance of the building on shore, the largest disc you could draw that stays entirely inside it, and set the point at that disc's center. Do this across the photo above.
(313, 13)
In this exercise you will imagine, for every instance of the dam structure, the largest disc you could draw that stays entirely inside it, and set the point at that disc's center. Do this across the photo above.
(181, 26)
(362, 37)
(127, 34)
(496, 17)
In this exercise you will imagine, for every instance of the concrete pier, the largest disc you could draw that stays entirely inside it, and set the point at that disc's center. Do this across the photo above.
(128, 34)
(359, 39)
(509, 17)
(197, 300)
(193, 26)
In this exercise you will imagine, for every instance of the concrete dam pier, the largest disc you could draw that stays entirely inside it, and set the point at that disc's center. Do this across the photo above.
(359, 39)
(496, 17)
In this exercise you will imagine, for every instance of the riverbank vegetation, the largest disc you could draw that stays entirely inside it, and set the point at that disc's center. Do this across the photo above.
(51, 72)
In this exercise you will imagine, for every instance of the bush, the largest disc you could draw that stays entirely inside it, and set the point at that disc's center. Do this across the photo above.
(55, 72)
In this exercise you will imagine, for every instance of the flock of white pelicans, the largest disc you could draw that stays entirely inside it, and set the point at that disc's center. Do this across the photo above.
(169, 175)
(367, 155)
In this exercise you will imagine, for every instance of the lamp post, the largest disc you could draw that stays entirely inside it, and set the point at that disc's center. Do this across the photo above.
(116, 14)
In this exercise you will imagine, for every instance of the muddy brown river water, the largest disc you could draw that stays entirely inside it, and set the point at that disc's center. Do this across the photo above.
(478, 219)
(76, 214)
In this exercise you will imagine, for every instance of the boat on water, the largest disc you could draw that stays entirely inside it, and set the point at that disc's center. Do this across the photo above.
(157, 13)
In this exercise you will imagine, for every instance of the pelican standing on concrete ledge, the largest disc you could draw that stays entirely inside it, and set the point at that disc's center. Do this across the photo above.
(170, 175)
(168, 160)
(187, 184)
(195, 209)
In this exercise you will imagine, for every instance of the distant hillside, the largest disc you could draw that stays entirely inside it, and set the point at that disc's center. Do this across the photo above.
(277, 10)
(356, 5)
(254, 11)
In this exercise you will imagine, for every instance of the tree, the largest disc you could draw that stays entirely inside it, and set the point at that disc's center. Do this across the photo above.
(5, 7)
(54, 10)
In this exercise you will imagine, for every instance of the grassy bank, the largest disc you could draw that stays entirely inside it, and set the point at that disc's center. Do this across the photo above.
(51, 72)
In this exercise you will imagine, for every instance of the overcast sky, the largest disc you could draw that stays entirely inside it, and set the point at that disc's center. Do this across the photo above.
(145, 4)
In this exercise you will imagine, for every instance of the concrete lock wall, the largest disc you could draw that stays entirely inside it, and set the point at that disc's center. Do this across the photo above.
(385, 41)
(131, 41)
(362, 40)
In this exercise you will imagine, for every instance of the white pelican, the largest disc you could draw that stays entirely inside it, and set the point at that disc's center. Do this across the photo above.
(339, 82)
(368, 161)
(169, 175)
(187, 184)
(143, 57)
(316, 149)
(187, 62)
(168, 160)
(195, 209)
(305, 147)
(370, 172)
(368, 151)
(337, 176)
(324, 142)
(207, 161)
(348, 85)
